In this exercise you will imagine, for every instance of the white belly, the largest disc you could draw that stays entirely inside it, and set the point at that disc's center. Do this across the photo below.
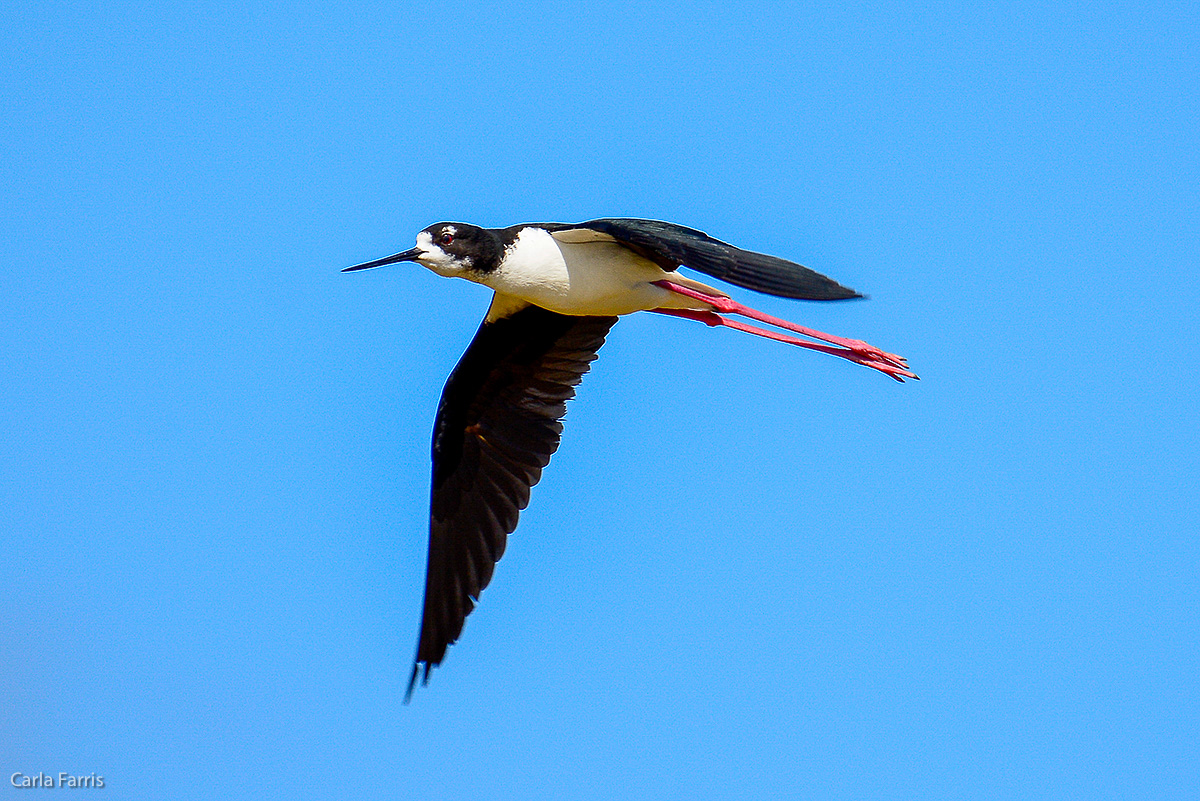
(583, 278)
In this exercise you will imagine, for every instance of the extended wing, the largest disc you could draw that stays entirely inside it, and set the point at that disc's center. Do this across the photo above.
(672, 246)
(497, 426)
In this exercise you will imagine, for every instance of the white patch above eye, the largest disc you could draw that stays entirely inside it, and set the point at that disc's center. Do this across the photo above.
(438, 260)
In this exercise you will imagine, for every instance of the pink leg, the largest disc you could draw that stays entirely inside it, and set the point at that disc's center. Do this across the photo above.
(855, 350)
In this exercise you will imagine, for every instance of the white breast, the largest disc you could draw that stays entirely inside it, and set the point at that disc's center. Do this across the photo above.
(596, 277)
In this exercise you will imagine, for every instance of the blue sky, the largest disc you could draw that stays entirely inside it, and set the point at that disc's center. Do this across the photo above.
(751, 571)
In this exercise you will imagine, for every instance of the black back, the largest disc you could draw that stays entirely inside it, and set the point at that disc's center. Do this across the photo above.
(671, 246)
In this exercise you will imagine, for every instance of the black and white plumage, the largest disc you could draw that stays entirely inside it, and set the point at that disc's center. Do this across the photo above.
(559, 288)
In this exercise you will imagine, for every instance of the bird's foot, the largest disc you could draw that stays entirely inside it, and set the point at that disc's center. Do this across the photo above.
(854, 350)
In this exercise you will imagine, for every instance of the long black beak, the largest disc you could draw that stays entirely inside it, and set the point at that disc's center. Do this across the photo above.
(408, 255)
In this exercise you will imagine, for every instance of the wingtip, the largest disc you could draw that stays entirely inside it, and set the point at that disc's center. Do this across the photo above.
(412, 679)
(412, 682)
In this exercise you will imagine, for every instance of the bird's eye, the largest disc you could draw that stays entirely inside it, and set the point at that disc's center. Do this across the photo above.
(446, 238)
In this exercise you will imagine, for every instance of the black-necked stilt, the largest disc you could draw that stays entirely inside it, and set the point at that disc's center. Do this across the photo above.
(558, 290)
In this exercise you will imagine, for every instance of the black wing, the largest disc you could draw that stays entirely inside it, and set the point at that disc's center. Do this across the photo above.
(672, 246)
(497, 426)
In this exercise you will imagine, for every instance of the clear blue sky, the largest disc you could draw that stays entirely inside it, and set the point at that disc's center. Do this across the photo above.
(751, 571)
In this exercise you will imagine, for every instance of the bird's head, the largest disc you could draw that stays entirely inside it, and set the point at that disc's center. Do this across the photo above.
(449, 249)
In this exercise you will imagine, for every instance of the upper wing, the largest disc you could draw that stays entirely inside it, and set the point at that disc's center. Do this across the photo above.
(496, 428)
(671, 246)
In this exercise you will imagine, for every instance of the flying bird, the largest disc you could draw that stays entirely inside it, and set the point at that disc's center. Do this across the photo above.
(559, 288)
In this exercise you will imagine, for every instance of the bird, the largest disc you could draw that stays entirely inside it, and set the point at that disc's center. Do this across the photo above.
(558, 290)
